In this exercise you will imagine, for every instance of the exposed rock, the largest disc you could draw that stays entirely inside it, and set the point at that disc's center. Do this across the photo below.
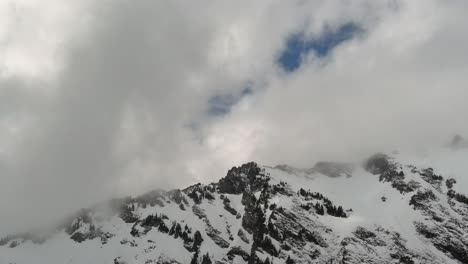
(237, 251)
(214, 234)
(238, 178)
(433, 179)
(458, 196)
(243, 236)
(368, 237)
(227, 207)
(421, 199)
(163, 259)
(456, 246)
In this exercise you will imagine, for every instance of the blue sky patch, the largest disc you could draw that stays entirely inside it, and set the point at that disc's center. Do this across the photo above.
(220, 105)
(297, 46)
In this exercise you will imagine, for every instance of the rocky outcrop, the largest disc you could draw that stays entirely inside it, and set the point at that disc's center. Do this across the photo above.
(239, 179)
(447, 239)
(237, 251)
(389, 171)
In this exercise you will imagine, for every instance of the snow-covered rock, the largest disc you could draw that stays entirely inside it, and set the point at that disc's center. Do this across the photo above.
(390, 210)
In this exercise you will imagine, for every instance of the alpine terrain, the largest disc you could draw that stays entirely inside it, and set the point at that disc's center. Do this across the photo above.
(389, 209)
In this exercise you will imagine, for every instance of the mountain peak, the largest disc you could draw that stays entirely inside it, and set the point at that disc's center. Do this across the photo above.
(238, 179)
(259, 214)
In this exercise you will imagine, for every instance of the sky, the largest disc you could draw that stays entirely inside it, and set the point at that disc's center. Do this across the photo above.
(101, 99)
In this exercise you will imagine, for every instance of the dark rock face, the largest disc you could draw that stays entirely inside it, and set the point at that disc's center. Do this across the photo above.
(442, 239)
(389, 171)
(430, 177)
(128, 216)
(242, 236)
(249, 219)
(212, 232)
(458, 197)
(238, 178)
(422, 199)
(368, 237)
(360, 248)
(446, 233)
(404, 187)
(227, 207)
(79, 237)
(381, 164)
(166, 260)
(237, 251)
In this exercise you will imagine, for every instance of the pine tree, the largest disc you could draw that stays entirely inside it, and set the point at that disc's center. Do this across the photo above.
(184, 235)
(264, 195)
(178, 231)
(163, 228)
(172, 231)
(302, 192)
(194, 258)
(206, 259)
(197, 240)
(340, 212)
(319, 209)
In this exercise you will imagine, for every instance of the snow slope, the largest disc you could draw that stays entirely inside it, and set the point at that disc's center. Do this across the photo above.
(398, 209)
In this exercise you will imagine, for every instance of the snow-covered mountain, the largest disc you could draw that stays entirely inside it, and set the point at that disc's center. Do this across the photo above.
(391, 209)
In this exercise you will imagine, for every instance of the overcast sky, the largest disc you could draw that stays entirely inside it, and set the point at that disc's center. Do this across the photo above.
(106, 98)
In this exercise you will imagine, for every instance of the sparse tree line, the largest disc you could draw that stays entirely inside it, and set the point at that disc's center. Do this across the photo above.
(326, 206)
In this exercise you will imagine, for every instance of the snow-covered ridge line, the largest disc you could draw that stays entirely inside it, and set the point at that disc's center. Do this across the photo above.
(386, 211)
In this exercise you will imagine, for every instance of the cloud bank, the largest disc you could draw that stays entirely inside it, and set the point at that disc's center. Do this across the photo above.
(109, 98)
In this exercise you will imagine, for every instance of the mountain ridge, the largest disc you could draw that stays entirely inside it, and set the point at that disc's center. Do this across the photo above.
(260, 214)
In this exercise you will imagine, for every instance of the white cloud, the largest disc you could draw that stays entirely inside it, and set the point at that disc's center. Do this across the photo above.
(32, 34)
(105, 98)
